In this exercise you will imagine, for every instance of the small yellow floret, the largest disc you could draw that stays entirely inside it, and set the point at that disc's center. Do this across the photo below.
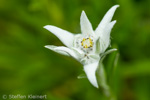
(86, 46)
(83, 39)
(82, 43)
(87, 42)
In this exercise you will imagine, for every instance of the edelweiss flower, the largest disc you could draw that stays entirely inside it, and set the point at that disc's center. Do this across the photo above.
(87, 47)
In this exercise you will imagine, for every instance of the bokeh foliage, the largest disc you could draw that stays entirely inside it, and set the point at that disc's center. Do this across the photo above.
(26, 67)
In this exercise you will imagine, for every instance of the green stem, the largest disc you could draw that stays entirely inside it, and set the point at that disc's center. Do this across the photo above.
(102, 82)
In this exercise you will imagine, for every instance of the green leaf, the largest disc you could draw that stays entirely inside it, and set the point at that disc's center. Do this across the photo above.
(103, 55)
(102, 79)
(102, 82)
(82, 76)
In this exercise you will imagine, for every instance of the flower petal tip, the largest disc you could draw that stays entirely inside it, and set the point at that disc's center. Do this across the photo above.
(116, 6)
(115, 49)
(46, 46)
(46, 26)
(83, 12)
(114, 21)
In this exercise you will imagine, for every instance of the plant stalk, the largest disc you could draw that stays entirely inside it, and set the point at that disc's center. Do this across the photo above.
(102, 82)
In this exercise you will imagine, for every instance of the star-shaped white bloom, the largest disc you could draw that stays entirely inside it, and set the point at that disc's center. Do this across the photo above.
(88, 46)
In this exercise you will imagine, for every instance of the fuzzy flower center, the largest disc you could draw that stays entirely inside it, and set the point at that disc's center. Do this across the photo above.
(87, 43)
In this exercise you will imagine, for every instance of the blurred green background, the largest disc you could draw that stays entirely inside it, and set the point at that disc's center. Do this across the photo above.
(26, 67)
